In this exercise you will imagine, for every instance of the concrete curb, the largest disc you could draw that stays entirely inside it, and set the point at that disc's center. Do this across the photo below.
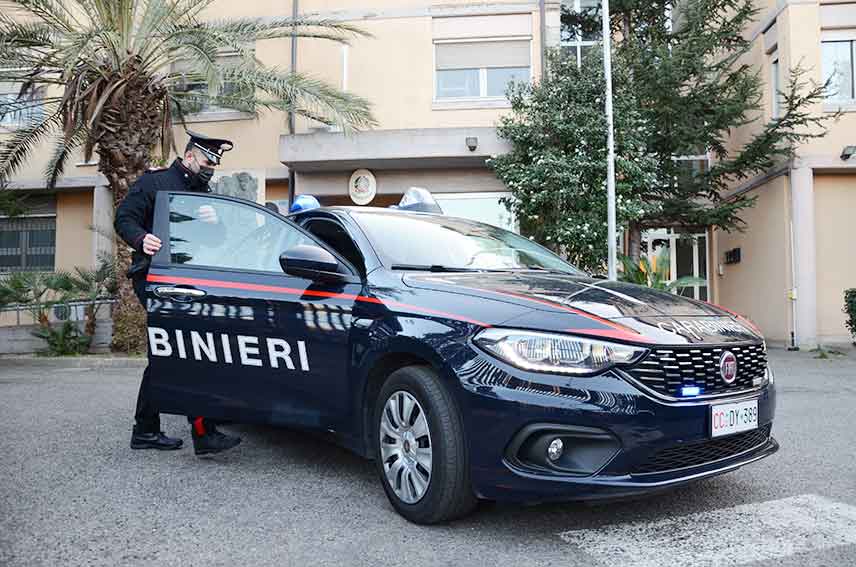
(86, 361)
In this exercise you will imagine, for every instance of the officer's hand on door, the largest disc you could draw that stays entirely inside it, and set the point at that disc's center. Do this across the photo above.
(207, 214)
(151, 244)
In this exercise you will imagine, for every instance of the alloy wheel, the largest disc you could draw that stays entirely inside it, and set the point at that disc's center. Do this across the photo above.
(405, 447)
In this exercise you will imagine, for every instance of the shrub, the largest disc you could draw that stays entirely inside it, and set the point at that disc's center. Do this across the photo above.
(63, 340)
(850, 310)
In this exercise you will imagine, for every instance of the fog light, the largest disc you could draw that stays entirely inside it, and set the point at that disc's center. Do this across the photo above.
(554, 451)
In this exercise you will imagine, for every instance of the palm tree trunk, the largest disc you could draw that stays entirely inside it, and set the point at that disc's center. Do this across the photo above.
(129, 318)
(89, 327)
(124, 154)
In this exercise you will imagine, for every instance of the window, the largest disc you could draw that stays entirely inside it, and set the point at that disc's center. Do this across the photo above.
(481, 207)
(192, 83)
(581, 27)
(243, 238)
(480, 69)
(27, 244)
(838, 60)
(454, 243)
(775, 87)
(334, 235)
(16, 111)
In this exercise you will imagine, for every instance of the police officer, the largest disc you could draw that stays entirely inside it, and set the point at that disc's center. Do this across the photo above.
(134, 218)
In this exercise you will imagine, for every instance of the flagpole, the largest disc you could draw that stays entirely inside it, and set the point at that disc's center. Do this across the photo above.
(610, 145)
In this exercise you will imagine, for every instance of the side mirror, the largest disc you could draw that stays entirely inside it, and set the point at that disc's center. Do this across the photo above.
(307, 261)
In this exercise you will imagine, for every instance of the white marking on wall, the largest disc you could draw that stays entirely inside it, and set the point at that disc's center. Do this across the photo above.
(730, 536)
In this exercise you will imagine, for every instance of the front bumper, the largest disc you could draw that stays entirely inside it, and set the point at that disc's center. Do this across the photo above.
(501, 402)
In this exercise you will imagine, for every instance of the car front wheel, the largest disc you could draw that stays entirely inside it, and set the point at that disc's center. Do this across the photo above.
(421, 452)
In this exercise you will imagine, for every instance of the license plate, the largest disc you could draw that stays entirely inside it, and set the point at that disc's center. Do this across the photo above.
(726, 419)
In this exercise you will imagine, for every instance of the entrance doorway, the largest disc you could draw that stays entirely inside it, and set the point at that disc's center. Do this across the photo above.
(687, 257)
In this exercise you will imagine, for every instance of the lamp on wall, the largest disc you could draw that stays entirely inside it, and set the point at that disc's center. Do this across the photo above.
(472, 143)
(848, 152)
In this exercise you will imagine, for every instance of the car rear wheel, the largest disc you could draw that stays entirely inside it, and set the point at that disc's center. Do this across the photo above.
(421, 452)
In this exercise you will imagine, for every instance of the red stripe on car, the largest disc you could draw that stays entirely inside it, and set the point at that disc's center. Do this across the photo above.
(619, 330)
(176, 280)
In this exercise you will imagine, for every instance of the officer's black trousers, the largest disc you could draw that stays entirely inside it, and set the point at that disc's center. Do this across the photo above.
(147, 415)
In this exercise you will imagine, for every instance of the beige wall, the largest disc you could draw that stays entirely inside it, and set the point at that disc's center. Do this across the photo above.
(74, 239)
(396, 182)
(798, 35)
(835, 205)
(758, 285)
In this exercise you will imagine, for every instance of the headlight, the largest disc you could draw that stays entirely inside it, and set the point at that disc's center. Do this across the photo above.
(548, 352)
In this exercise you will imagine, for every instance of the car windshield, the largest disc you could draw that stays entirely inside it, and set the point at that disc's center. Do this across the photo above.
(434, 242)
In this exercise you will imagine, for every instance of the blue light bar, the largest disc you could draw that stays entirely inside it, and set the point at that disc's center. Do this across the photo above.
(690, 391)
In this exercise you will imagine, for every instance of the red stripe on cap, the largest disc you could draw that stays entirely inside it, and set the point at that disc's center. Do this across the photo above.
(308, 292)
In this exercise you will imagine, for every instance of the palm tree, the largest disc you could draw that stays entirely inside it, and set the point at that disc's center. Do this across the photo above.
(110, 76)
(38, 291)
(654, 272)
(91, 285)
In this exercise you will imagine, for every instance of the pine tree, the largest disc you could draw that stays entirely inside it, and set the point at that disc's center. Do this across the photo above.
(556, 170)
(681, 87)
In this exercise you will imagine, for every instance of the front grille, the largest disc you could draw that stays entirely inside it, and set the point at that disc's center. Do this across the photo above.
(695, 454)
(667, 370)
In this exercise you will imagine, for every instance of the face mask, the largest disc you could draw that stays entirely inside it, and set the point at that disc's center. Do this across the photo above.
(200, 179)
(205, 174)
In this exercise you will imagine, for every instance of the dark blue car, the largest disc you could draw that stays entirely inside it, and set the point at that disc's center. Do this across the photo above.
(468, 362)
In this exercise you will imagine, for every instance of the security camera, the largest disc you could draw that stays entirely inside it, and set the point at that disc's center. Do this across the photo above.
(848, 152)
(472, 143)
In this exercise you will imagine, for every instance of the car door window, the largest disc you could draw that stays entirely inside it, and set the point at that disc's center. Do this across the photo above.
(211, 232)
(334, 235)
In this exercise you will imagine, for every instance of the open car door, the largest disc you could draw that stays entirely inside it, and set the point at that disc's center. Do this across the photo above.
(231, 335)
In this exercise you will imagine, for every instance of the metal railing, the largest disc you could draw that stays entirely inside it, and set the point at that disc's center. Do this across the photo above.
(57, 312)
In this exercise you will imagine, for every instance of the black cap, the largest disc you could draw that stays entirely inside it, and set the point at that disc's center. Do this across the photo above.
(213, 148)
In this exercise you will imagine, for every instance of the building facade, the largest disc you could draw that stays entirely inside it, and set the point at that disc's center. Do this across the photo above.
(436, 73)
(788, 270)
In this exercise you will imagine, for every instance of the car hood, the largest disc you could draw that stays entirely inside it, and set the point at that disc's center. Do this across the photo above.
(648, 315)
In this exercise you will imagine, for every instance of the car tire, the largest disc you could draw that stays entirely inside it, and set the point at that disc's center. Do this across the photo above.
(447, 493)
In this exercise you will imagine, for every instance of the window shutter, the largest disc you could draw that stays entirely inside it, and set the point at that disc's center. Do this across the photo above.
(483, 54)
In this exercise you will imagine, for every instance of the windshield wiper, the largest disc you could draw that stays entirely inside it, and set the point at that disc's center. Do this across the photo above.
(431, 268)
(543, 270)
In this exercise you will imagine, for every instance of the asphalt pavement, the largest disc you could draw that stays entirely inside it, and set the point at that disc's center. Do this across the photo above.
(73, 493)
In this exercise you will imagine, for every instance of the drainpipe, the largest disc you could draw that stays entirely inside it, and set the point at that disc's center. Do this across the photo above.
(292, 178)
(542, 15)
(792, 298)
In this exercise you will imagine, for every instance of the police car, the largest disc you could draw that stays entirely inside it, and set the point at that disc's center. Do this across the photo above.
(468, 362)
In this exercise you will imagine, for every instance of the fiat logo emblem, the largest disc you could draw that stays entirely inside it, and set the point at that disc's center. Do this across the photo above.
(728, 367)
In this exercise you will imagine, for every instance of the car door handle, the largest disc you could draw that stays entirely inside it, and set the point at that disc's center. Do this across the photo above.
(175, 292)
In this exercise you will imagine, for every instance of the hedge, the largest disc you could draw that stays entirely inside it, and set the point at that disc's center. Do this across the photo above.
(850, 310)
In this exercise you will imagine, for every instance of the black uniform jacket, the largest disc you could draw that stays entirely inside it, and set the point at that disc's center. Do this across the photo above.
(135, 214)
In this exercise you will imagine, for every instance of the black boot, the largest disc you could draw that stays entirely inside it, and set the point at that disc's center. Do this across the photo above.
(157, 440)
(212, 441)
